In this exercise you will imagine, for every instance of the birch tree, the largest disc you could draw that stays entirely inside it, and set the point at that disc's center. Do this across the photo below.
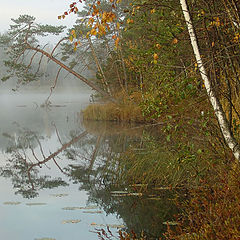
(217, 107)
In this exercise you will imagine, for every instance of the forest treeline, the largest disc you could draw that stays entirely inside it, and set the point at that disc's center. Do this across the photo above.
(146, 70)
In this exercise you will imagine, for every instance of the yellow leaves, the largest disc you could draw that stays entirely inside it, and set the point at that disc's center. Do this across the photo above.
(101, 30)
(158, 46)
(216, 22)
(117, 25)
(90, 21)
(155, 56)
(73, 33)
(108, 17)
(153, 11)
(73, 38)
(201, 13)
(195, 66)
(236, 37)
(93, 32)
(213, 44)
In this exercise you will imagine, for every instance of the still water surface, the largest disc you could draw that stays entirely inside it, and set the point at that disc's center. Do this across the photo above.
(56, 173)
(32, 206)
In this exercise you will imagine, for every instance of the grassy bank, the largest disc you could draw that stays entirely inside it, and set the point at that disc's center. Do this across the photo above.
(126, 109)
(185, 152)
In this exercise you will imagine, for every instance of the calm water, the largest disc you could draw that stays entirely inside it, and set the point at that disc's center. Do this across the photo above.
(56, 173)
(32, 201)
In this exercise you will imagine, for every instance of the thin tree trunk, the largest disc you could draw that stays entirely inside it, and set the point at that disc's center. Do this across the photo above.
(104, 80)
(221, 117)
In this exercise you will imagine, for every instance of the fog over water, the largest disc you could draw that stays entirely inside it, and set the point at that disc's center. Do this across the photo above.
(21, 118)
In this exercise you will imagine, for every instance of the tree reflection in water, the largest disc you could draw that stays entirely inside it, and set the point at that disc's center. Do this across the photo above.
(94, 156)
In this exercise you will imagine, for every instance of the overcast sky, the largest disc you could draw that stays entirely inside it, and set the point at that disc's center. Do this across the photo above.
(45, 11)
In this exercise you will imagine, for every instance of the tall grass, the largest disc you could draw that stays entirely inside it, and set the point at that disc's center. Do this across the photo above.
(130, 112)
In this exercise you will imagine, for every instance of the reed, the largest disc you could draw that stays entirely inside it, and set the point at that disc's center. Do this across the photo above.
(129, 112)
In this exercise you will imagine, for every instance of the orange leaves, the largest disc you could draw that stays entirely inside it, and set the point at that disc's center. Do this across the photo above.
(93, 32)
(108, 17)
(175, 41)
(129, 20)
(73, 9)
(98, 20)
(101, 30)
(73, 33)
(155, 58)
(117, 39)
(217, 21)
(76, 44)
(117, 42)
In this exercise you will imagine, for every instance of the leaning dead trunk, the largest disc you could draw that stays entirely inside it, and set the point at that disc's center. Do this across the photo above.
(80, 77)
(217, 107)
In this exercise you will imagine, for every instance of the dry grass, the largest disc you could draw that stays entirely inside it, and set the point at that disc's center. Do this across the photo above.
(125, 112)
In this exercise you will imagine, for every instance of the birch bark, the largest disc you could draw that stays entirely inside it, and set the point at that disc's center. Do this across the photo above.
(217, 107)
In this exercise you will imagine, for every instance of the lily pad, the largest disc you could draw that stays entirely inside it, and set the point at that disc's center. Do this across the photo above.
(35, 204)
(115, 226)
(12, 203)
(92, 212)
(71, 221)
(59, 195)
(108, 225)
(80, 208)
(97, 225)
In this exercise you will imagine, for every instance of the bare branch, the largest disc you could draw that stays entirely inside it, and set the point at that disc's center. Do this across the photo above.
(63, 39)
(54, 85)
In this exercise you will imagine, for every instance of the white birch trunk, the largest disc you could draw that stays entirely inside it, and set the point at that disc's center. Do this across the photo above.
(221, 117)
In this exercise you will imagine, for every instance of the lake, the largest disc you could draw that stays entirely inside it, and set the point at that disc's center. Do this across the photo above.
(57, 177)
